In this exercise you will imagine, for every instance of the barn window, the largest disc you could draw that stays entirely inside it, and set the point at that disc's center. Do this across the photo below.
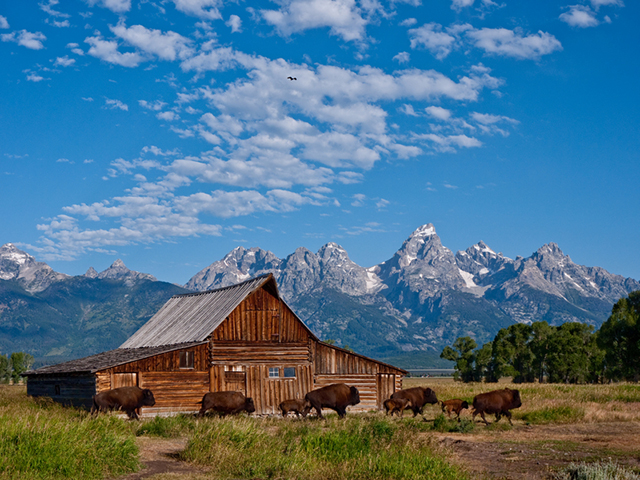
(186, 359)
(274, 372)
(289, 372)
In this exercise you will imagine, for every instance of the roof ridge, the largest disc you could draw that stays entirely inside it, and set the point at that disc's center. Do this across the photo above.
(235, 285)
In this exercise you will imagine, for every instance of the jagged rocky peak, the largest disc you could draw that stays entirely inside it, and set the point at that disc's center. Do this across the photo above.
(119, 271)
(480, 260)
(17, 265)
(91, 273)
(238, 265)
(340, 272)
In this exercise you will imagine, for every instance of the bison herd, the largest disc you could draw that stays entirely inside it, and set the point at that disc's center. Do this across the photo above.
(336, 397)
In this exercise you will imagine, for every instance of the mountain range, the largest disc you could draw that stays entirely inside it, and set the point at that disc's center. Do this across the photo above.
(403, 310)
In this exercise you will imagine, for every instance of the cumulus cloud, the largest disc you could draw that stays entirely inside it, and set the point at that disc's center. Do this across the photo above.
(64, 61)
(113, 104)
(235, 23)
(26, 39)
(431, 37)
(107, 51)
(439, 113)
(580, 16)
(3, 22)
(343, 18)
(510, 43)
(458, 5)
(34, 77)
(402, 57)
(165, 46)
(449, 143)
(599, 3)
(116, 6)
(206, 9)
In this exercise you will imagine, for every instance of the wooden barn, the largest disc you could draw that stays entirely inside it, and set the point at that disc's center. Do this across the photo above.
(239, 338)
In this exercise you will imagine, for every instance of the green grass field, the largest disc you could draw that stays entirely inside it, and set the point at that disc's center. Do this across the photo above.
(43, 440)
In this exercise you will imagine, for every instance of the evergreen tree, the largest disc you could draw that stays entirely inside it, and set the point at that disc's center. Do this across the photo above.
(619, 337)
(570, 352)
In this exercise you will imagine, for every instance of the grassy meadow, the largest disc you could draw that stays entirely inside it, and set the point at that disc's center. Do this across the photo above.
(42, 440)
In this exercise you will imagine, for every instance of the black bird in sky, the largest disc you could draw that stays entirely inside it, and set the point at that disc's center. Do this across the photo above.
(292, 78)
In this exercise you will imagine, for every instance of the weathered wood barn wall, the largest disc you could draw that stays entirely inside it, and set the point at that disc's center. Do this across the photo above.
(239, 338)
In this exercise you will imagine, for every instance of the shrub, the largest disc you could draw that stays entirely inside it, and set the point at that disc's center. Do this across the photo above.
(596, 471)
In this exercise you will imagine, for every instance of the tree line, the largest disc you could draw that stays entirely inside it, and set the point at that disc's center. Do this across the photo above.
(570, 353)
(13, 365)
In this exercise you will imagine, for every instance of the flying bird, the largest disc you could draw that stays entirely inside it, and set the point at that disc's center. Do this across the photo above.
(292, 78)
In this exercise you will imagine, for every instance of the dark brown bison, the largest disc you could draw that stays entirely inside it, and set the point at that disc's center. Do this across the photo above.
(295, 405)
(454, 405)
(127, 399)
(498, 402)
(336, 397)
(418, 397)
(226, 403)
(393, 405)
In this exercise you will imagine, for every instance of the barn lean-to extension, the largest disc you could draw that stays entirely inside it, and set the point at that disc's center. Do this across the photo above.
(239, 338)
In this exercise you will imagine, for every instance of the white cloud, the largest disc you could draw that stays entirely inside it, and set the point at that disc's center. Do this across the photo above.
(166, 46)
(509, 43)
(448, 143)
(168, 116)
(235, 23)
(108, 51)
(580, 16)
(599, 3)
(408, 22)
(113, 104)
(431, 37)
(439, 113)
(458, 5)
(155, 106)
(33, 77)
(206, 9)
(3, 22)
(343, 18)
(48, 8)
(159, 152)
(116, 6)
(25, 39)
(402, 57)
(64, 61)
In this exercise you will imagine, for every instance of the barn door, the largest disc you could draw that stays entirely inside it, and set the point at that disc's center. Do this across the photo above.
(236, 382)
(124, 380)
(386, 385)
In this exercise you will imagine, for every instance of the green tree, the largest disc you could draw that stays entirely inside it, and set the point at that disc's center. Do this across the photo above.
(20, 363)
(5, 369)
(570, 352)
(619, 337)
(463, 356)
(482, 364)
(511, 354)
(541, 334)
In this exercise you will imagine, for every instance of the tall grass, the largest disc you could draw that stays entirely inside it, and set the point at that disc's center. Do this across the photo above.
(358, 447)
(596, 471)
(42, 440)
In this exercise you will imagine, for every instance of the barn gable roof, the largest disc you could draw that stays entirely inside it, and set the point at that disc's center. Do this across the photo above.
(192, 317)
(109, 359)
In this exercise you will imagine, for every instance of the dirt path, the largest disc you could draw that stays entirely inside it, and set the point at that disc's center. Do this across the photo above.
(535, 452)
(160, 455)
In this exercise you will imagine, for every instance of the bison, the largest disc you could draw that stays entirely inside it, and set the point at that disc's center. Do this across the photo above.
(226, 403)
(418, 397)
(295, 405)
(454, 405)
(393, 405)
(127, 399)
(498, 402)
(336, 397)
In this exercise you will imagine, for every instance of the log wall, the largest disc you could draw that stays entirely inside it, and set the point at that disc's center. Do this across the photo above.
(74, 390)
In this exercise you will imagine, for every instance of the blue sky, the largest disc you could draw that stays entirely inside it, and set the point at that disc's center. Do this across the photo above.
(167, 132)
